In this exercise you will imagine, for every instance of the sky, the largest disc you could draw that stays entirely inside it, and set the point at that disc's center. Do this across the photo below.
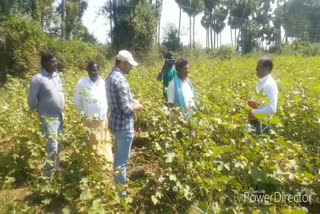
(99, 27)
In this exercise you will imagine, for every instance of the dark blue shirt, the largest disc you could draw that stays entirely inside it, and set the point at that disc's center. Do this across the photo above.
(120, 102)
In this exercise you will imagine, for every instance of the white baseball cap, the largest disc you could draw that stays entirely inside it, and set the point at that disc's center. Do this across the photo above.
(125, 55)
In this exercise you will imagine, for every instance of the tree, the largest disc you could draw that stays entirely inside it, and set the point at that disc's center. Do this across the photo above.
(159, 5)
(180, 10)
(208, 20)
(172, 41)
(4, 7)
(3, 57)
(87, 37)
(219, 17)
(192, 8)
(241, 17)
(268, 23)
(134, 23)
(197, 7)
(144, 25)
(301, 19)
(72, 26)
(205, 22)
(63, 18)
(41, 11)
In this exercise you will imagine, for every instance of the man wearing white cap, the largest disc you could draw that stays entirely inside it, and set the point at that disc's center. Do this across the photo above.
(122, 107)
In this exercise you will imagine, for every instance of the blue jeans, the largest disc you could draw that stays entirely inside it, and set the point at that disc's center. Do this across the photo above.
(261, 128)
(123, 141)
(52, 128)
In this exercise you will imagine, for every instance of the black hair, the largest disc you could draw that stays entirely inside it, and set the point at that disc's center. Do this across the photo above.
(168, 55)
(46, 57)
(117, 62)
(181, 63)
(267, 63)
(91, 64)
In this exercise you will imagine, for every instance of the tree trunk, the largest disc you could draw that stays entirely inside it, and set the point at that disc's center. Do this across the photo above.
(214, 39)
(235, 38)
(33, 9)
(207, 39)
(194, 22)
(211, 39)
(220, 39)
(190, 31)
(243, 37)
(63, 19)
(110, 19)
(179, 24)
(279, 33)
(3, 59)
(238, 38)
(231, 37)
(159, 29)
(5, 6)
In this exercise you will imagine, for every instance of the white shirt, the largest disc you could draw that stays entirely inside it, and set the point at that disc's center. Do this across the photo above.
(91, 99)
(188, 94)
(270, 89)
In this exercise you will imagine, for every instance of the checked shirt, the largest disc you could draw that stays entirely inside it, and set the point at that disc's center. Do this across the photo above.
(120, 102)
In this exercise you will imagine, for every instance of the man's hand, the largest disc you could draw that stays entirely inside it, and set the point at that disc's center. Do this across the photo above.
(161, 73)
(137, 107)
(253, 104)
(252, 117)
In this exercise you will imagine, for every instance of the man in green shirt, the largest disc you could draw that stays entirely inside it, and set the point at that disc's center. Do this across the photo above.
(167, 72)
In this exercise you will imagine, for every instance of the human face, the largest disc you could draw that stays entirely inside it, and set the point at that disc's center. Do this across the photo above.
(183, 72)
(51, 65)
(93, 72)
(261, 71)
(126, 67)
(169, 62)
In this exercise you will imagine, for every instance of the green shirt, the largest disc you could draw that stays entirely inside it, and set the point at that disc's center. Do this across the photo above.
(169, 73)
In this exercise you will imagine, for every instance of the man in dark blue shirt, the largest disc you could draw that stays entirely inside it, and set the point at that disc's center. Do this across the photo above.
(122, 107)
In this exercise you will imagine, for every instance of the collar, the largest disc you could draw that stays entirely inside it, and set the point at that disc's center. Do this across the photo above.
(45, 73)
(117, 69)
(263, 79)
(94, 83)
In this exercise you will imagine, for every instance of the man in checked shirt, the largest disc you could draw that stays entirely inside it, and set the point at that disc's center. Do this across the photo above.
(122, 107)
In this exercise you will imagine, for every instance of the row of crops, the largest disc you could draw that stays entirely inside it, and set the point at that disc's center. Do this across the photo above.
(214, 170)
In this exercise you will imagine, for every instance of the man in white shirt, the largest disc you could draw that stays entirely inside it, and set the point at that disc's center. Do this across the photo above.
(91, 99)
(267, 87)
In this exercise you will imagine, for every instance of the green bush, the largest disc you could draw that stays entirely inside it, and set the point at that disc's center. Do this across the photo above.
(301, 48)
(155, 54)
(224, 52)
(194, 53)
(75, 53)
(25, 40)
